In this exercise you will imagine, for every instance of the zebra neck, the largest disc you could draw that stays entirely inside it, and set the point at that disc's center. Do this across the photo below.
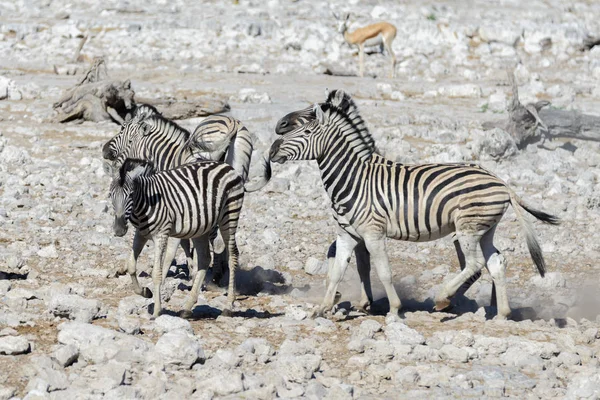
(169, 152)
(339, 175)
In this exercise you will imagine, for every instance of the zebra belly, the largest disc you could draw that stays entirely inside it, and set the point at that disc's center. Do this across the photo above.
(395, 231)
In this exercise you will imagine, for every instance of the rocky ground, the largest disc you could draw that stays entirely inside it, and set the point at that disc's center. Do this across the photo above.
(70, 329)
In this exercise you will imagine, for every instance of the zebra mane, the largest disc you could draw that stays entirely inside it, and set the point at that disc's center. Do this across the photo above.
(172, 127)
(341, 103)
(130, 164)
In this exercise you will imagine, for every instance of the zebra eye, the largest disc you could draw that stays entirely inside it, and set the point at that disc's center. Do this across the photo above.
(306, 131)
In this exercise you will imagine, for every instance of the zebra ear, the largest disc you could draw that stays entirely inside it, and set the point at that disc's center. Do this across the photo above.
(319, 114)
(339, 97)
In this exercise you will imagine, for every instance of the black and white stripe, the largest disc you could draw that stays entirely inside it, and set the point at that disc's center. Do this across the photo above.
(186, 202)
(149, 136)
(374, 199)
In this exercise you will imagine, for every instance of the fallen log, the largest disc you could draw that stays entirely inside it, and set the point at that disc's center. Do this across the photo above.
(533, 122)
(97, 98)
(182, 109)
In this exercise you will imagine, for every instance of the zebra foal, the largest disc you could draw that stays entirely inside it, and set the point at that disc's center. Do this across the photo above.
(186, 202)
(150, 136)
(373, 198)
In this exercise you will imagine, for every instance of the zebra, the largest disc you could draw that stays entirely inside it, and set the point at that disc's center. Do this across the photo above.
(374, 200)
(150, 136)
(295, 119)
(185, 202)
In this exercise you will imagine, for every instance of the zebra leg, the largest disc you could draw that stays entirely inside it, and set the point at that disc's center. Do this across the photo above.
(461, 259)
(228, 234)
(202, 250)
(330, 261)
(172, 244)
(496, 264)
(474, 262)
(219, 256)
(363, 265)
(136, 248)
(192, 267)
(160, 244)
(345, 244)
(379, 257)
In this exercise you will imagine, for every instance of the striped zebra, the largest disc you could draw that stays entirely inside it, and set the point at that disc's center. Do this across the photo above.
(152, 137)
(374, 200)
(296, 119)
(186, 202)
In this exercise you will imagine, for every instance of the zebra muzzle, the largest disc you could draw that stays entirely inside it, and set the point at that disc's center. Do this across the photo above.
(274, 150)
(120, 226)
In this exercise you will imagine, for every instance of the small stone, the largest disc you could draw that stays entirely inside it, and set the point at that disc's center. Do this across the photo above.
(74, 307)
(293, 265)
(453, 353)
(398, 334)
(179, 347)
(167, 323)
(13, 345)
(48, 252)
(66, 355)
(324, 325)
(367, 329)
(129, 325)
(295, 312)
(6, 392)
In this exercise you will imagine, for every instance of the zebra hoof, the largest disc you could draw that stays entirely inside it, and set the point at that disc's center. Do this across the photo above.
(147, 293)
(226, 313)
(441, 305)
(337, 297)
(185, 314)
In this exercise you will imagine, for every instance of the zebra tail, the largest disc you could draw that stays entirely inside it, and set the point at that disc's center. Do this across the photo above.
(239, 154)
(263, 179)
(532, 243)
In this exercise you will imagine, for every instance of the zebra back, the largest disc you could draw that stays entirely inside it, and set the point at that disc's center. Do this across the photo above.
(226, 139)
(186, 202)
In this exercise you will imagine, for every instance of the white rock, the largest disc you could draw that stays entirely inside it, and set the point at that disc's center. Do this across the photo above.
(13, 345)
(74, 307)
(453, 353)
(295, 312)
(4, 84)
(367, 329)
(48, 252)
(297, 369)
(494, 144)
(109, 376)
(6, 392)
(399, 334)
(66, 355)
(469, 90)
(179, 347)
(167, 323)
(98, 344)
(129, 325)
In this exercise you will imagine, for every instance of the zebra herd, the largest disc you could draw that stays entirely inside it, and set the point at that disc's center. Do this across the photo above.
(166, 187)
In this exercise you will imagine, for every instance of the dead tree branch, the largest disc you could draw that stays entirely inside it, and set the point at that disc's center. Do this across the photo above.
(532, 122)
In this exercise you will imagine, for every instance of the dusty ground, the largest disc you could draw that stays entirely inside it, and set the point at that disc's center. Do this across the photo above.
(58, 253)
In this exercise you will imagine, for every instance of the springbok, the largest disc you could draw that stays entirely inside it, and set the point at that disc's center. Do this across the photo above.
(378, 34)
